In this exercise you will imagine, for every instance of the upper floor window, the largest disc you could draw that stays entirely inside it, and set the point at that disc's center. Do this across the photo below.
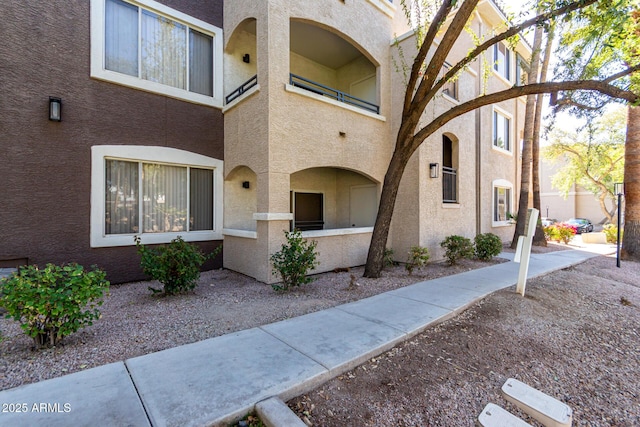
(450, 88)
(501, 130)
(502, 60)
(152, 47)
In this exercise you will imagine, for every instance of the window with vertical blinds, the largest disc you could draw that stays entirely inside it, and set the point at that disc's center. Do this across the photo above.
(141, 44)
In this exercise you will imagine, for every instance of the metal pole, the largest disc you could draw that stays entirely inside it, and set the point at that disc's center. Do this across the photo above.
(619, 215)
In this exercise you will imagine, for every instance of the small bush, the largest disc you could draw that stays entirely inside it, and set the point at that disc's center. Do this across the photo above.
(176, 265)
(294, 260)
(487, 246)
(457, 247)
(560, 232)
(55, 301)
(611, 232)
(388, 258)
(418, 257)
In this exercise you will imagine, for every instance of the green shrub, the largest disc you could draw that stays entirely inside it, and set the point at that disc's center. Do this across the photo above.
(294, 261)
(418, 257)
(487, 246)
(176, 265)
(53, 302)
(388, 258)
(611, 232)
(457, 247)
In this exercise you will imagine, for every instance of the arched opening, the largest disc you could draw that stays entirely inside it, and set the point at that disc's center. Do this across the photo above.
(327, 64)
(332, 198)
(449, 169)
(241, 199)
(241, 60)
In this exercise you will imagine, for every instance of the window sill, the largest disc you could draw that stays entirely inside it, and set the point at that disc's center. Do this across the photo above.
(451, 206)
(337, 232)
(385, 6)
(502, 224)
(502, 150)
(502, 78)
(321, 98)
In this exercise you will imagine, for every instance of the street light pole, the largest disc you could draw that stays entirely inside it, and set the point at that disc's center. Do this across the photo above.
(619, 190)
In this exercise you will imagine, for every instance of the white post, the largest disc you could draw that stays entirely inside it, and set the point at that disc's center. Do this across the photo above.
(524, 249)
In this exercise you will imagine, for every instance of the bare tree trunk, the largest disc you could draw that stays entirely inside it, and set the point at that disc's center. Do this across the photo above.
(538, 238)
(529, 119)
(375, 257)
(631, 241)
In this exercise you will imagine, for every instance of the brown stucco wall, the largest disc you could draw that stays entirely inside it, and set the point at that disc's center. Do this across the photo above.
(45, 166)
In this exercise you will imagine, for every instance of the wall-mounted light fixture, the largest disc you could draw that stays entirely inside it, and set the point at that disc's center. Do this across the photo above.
(433, 170)
(342, 134)
(246, 58)
(246, 184)
(55, 109)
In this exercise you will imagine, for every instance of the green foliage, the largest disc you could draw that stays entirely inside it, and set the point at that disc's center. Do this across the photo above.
(388, 258)
(560, 232)
(611, 232)
(53, 302)
(487, 246)
(294, 261)
(176, 265)
(457, 248)
(418, 257)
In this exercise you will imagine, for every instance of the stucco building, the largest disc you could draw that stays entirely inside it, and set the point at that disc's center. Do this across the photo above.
(236, 121)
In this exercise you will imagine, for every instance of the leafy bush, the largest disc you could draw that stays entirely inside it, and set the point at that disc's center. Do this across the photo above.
(388, 258)
(457, 247)
(611, 232)
(294, 261)
(53, 302)
(418, 257)
(487, 246)
(176, 265)
(560, 232)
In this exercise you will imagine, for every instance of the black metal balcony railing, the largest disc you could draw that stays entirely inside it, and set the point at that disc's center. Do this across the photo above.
(449, 185)
(340, 96)
(242, 89)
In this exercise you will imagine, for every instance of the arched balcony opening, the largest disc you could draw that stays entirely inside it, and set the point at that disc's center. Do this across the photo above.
(241, 60)
(240, 199)
(327, 64)
(331, 198)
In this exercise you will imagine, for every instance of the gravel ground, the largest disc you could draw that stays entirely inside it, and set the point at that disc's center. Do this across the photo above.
(135, 322)
(575, 336)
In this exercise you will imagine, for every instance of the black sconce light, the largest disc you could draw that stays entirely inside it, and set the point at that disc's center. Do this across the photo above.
(433, 170)
(245, 184)
(246, 58)
(55, 109)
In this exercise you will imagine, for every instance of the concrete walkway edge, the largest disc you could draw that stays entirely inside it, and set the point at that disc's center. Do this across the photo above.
(219, 380)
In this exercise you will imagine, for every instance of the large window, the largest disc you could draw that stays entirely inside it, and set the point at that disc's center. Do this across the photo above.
(157, 193)
(149, 46)
(451, 87)
(501, 130)
(308, 211)
(502, 60)
(501, 202)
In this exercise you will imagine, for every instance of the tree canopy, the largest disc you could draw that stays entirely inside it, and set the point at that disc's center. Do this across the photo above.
(448, 19)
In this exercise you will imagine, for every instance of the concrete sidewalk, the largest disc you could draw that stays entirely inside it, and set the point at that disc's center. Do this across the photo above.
(219, 380)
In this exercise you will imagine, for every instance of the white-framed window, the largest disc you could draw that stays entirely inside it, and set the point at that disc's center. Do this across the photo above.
(502, 60)
(502, 202)
(157, 193)
(451, 87)
(501, 130)
(146, 45)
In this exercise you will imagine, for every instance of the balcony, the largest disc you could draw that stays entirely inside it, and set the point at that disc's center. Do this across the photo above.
(332, 93)
(449, 185)
(253, 81)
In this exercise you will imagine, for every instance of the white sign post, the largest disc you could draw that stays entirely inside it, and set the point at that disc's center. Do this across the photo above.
(523, 251)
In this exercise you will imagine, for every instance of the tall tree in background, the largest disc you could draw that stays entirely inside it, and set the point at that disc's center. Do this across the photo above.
(424, 83)
(600, 44)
